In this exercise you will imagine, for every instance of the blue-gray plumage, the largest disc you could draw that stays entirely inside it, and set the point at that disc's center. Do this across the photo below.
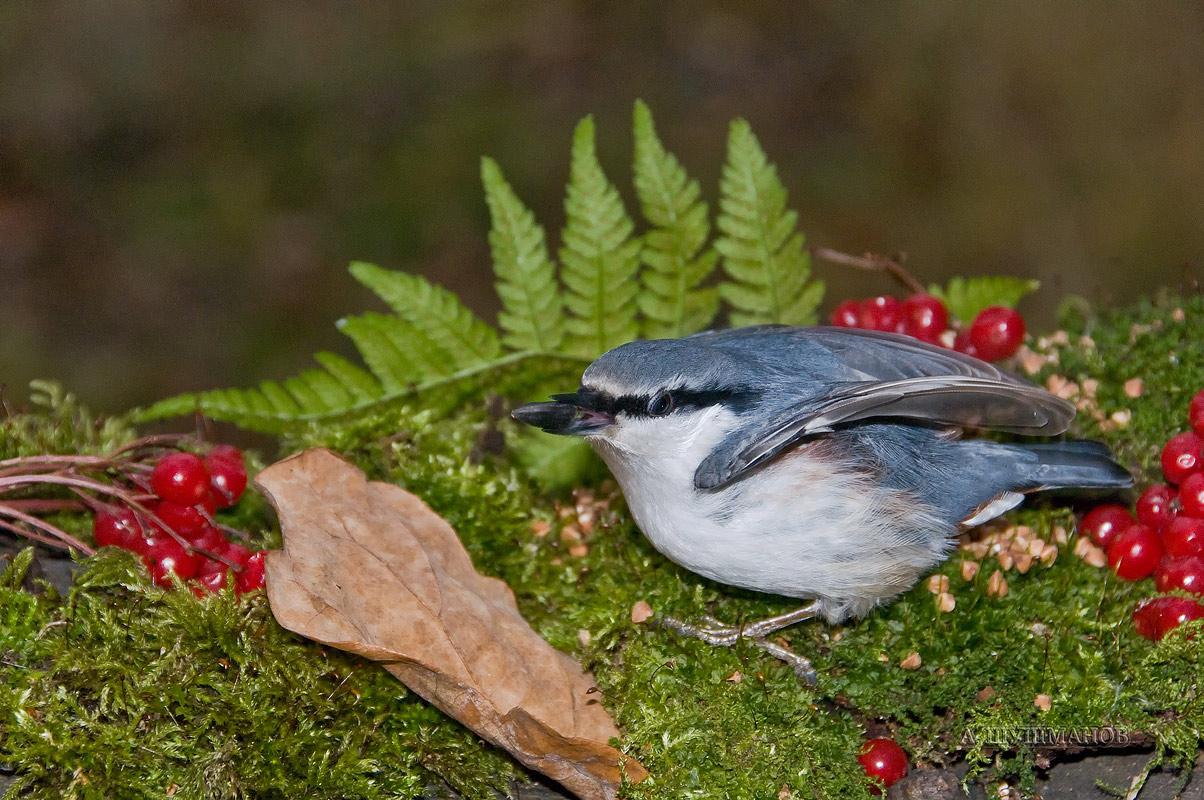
(819, 463)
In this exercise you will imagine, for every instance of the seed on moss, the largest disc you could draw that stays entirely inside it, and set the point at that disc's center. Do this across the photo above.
(946, 602)
(911, 661)
(641, 612)
(1043, 702)
(1061, 386)
(735, 677)
(1089, 552)
(938, 583)
(1134, 387)
(541, 527)
(1049, 554)
(969, 570)
(997, 585)
(1023, 562)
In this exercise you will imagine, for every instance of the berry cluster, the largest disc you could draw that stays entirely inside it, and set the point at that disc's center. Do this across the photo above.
(178, 537)
(995, 334)
(1166, 539)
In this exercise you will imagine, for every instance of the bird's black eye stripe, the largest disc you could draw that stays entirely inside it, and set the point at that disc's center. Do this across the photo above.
(661, 403)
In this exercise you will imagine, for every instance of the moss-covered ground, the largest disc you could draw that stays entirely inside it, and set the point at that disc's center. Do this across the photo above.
(119, 689)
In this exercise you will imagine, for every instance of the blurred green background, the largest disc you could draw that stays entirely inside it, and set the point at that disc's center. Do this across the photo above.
(183, 183)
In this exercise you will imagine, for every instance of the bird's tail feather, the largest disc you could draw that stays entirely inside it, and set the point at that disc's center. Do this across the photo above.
(1074, 465)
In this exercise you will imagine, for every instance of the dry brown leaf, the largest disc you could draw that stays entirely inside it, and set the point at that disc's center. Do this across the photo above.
(369, 568)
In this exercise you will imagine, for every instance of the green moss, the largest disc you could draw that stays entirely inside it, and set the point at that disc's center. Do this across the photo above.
(125, 690)
(60, 425)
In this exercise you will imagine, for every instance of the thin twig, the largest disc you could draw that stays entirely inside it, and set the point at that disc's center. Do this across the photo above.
(52, 540)
(872, 262)
(52, 462)
(53, 530)
(44, 505)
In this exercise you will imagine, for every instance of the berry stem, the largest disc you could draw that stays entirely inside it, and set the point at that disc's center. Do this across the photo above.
(57, 536)
(872, 262)
(43, 506)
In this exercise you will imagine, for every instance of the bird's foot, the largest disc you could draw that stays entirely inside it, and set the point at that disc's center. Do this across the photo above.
(719, 634)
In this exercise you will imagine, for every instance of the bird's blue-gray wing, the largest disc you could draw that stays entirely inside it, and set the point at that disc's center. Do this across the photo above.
(874, 376)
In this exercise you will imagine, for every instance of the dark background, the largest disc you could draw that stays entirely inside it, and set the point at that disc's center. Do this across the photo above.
(183, 183)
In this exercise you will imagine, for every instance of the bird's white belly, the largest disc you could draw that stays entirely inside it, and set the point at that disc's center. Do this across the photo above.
(795, 528)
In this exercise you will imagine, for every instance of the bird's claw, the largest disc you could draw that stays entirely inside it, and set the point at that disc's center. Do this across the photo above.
(719, 634)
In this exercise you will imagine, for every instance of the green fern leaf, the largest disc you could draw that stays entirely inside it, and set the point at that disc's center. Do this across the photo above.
(673, 254)
(557, 463)
(274, 408)
(965, 297)
(397, 353)
(463, 340)
(279, 401)
(360, 384)
(532, 315)
(762, 250)
(599, 258)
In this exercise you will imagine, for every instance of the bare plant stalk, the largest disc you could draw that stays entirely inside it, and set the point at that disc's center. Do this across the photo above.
(871, 262)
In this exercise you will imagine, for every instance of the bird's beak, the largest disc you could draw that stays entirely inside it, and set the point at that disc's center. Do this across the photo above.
(567, 415)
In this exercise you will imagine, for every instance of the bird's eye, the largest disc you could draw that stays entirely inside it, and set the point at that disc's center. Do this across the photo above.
(660, 404)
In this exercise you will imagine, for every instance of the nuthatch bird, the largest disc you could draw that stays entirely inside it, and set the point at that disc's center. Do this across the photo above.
(816, 463)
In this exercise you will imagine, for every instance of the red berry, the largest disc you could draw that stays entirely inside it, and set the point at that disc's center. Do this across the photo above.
(1158, 617)
(1145, 618)
(883, 759)
(1135, 553)
(1182, 456)
(1186, 573)
(117, 527)
(235, 552)
(880, 313)
(208, 538)
(1184, 536)
(924, 317)
(1154, 507)
(213, 575)
(963, 344)
(997, 332)
(167, 557)
(1104, 523)
(184, 520)
(1175, 614)
(1191, 495)
(251, 578)
(228, 474)
(1195, 413)
(181, 478)
(847, 314)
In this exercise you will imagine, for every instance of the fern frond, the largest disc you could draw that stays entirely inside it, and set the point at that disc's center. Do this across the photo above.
(673, 255)
(532, 315)
(360, 384)
(276, 408)
(762, 250)
(599, 258)
(397, 353)
(463, 340)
